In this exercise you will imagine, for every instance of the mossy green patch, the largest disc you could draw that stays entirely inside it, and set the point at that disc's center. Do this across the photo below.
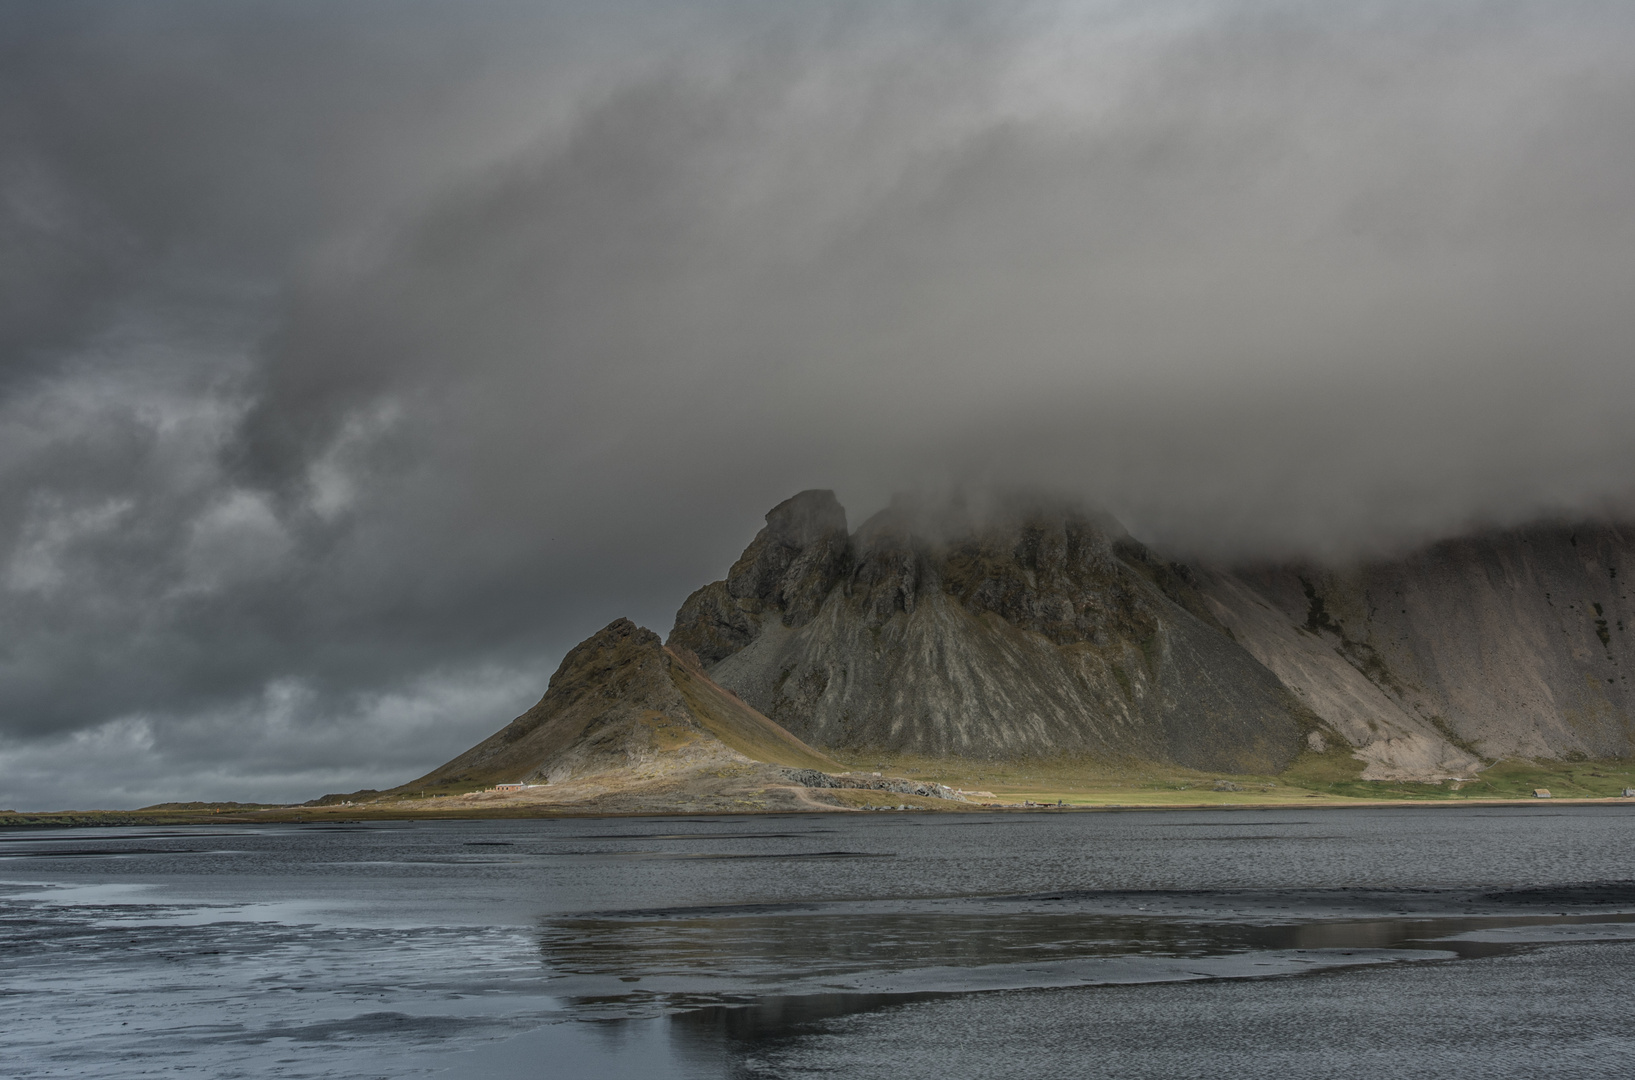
(1332, 775)
(1327, 771)
(1589, 779)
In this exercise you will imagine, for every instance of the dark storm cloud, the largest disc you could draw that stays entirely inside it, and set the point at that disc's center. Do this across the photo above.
(359, 359)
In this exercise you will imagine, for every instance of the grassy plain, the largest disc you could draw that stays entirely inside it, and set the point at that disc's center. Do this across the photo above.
(1330, 779)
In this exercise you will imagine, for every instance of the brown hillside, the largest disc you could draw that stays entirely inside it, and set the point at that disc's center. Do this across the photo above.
(622, 703)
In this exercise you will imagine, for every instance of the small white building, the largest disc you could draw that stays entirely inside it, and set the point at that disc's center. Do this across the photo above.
(518, 786)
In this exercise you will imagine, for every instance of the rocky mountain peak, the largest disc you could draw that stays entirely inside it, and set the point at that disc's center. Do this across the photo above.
(792, 564)
(1014, 628)
(1050, 570)
(783, 576)
(1039, 564)
(608, 662)
(621, 702)
(806, 518)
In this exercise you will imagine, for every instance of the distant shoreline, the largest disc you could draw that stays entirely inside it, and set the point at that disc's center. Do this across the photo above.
(357, 815)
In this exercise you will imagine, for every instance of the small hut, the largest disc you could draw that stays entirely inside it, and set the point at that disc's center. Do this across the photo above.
(1541, 793)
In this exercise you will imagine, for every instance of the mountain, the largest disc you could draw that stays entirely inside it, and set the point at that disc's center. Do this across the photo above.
(1028, 631)
(1031, 630)
(624, 713)
(1038, 630)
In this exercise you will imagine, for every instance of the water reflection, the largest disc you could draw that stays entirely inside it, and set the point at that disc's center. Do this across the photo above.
(763, 975)
(860, 946)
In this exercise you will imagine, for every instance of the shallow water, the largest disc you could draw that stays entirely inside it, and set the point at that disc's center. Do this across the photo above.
(1445, 941)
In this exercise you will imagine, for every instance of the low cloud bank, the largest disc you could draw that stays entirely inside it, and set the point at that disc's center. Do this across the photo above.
(348, 345)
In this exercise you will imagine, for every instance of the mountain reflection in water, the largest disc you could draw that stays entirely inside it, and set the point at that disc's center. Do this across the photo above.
(1131, 945)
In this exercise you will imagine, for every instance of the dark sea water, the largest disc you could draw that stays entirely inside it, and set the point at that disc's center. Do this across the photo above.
(1446, 942)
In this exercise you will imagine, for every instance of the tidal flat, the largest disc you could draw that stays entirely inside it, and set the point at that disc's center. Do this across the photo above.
(1454, 941)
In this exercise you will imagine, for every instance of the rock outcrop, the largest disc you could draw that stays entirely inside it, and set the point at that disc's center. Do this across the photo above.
(1031, 630)
(819, 781)
(784, 576)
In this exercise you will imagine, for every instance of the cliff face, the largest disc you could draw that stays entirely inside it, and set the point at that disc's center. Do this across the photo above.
(1031, 631)
(783, 577)
(1036, 630)
(1514, 644)
(623, 703)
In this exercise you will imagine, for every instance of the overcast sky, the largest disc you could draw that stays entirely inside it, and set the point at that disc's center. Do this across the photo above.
(359, 358)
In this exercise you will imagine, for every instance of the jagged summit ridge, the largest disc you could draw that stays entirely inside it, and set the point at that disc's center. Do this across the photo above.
(792, 563)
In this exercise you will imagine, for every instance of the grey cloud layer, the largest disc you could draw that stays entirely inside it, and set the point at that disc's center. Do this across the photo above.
(360, 359)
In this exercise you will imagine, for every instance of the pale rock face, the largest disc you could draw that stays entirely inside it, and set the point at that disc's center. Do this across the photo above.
(1394, 744)
(1513, 644)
